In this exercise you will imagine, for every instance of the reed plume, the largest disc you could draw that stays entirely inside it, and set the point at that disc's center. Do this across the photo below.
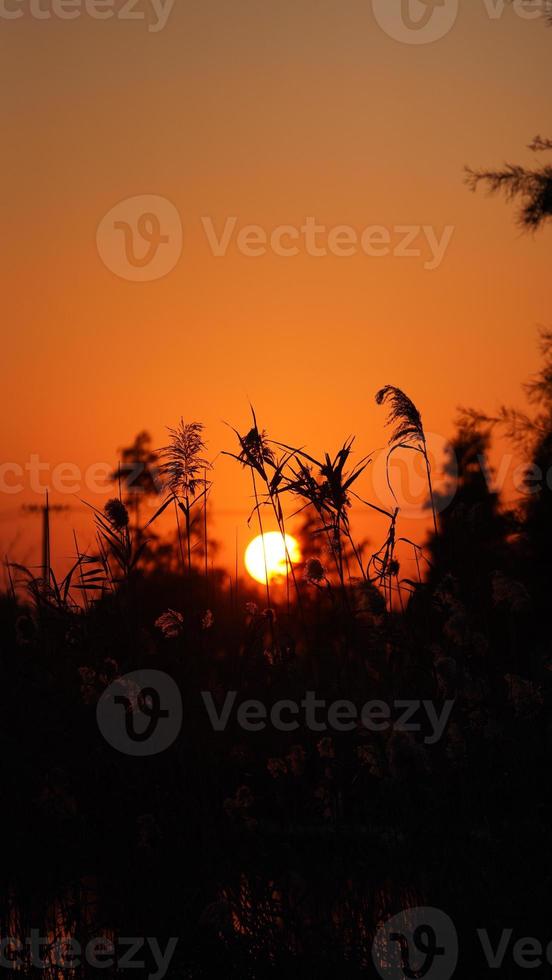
(257, 454)
(407, 432)
(183, 472)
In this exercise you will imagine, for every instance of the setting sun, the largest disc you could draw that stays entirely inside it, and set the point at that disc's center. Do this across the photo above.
(266, 556)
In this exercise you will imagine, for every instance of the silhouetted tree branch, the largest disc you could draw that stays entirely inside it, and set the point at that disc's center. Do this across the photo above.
(534, 187)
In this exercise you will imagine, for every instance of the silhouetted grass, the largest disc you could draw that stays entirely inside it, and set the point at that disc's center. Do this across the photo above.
(272, 853)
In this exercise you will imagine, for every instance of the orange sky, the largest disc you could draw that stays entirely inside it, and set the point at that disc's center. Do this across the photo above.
(270, 112)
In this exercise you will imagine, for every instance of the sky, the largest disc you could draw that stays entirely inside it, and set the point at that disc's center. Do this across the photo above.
(256, 114)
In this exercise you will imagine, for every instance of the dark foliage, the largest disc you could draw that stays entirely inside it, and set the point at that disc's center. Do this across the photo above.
(271, 853)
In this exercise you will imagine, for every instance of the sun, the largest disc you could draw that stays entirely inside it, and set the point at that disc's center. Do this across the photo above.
(267, 554)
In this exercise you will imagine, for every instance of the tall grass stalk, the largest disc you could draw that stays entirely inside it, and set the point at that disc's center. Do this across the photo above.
(408, 433)
(181, 469)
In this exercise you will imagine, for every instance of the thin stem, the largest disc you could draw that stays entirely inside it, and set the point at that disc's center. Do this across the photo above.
(12, 587)
(356, 553)
(179, 536)
(289, 564)
(417, 563)
(205, 541)
(400, 593)
(430, 485)
(79, 559)
(258, 509)
(236, 566)
(188, 538)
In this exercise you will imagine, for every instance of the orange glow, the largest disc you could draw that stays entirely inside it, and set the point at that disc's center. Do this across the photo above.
(270, 113)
